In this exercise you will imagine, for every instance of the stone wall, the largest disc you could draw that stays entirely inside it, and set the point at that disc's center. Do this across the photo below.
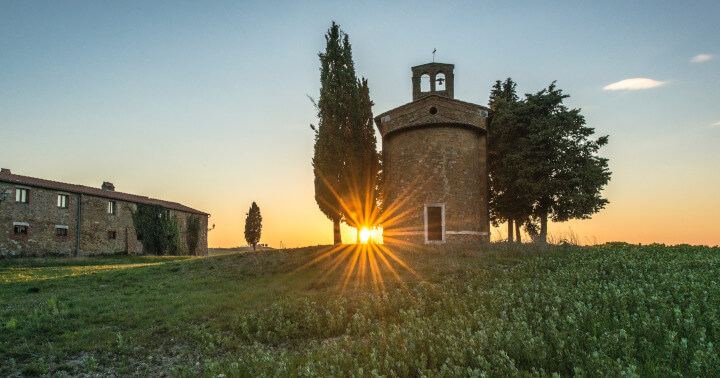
(442, 164)
(95, 223)
(432, 110)
(183, 219)
(42, 216)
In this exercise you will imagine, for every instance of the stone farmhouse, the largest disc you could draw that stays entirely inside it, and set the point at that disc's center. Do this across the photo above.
(435, 164)
(42, 217)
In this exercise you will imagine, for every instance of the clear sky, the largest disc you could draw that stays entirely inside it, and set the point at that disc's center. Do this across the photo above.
(205, 103)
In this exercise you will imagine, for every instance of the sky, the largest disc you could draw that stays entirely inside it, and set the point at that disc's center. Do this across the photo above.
(206, 103)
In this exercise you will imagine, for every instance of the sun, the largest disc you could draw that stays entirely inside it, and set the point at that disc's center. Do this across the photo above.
(364, 235)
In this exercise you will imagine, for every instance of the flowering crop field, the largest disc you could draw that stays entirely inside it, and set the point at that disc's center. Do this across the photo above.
(615, 309)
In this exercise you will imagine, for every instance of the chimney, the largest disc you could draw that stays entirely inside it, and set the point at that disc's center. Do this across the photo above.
(5, 170)
(108, 186)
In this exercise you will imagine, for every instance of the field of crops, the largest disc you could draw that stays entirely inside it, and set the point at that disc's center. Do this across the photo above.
(615, 309)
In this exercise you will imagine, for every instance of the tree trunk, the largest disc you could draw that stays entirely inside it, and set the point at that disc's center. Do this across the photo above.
(254, 247)
(510, 231)
(518, 237)
(542, 238)
(337, 238)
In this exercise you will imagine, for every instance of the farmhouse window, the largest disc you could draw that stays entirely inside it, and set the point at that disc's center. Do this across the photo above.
(61, 231)
(22, 195)
(62, 201)
(20, 229)
(112, 235)
(111, 207)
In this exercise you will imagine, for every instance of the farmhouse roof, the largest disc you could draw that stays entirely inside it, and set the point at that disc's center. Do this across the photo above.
(7, 176)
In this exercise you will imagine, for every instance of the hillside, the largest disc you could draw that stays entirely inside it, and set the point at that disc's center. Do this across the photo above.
(606, 310)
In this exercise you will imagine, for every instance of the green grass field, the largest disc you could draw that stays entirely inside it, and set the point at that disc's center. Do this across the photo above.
(616, 309)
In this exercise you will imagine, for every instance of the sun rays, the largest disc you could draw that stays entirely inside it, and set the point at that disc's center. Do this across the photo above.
(382, 232)
(358, 266)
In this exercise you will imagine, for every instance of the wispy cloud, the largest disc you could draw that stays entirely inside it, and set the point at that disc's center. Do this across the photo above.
(716, 124)
(701, 58)
(634, 84)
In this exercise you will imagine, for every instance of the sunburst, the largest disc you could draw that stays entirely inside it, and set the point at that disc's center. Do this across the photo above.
(372, 261)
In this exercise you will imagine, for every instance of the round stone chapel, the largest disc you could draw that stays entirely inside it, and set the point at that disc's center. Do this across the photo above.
(435, 164)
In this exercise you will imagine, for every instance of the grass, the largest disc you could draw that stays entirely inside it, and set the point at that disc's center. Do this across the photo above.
(616, 309)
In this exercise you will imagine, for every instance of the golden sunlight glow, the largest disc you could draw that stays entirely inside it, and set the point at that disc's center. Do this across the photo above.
(364, 235)
(370, 262)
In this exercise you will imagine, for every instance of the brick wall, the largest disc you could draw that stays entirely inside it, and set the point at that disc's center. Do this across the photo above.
(442, 164)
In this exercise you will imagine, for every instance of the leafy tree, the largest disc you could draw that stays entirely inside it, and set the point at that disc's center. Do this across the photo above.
(542, 161)
(253, 225)
(510, 201)
(567, 176)
(345, 160)
(160, 233)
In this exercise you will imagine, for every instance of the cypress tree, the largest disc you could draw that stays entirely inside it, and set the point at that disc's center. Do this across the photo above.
(253, 225)
(345, 160)
(361, 187)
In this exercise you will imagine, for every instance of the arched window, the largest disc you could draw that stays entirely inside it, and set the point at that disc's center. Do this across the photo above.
(440, 82)
(425, 83)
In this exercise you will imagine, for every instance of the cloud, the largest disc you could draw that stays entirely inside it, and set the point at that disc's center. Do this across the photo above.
(634, 84)
(716, 124)
(701, 58)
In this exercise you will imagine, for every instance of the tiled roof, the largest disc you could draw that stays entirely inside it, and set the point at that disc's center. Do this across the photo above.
(72, 188)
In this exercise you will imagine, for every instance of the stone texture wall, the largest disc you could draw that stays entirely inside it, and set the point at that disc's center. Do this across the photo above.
(183, 219)
(438, 164)
(43, 215)
(432, 110)
(96, 222)
(432, 70)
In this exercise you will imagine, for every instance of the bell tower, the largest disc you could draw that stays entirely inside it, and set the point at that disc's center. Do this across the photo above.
(435, 173)
(440, 77)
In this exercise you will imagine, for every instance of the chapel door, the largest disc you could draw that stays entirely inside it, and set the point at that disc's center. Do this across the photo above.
(434, 223)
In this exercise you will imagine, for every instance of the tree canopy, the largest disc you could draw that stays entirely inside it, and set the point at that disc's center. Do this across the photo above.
(253, 225)
(543, 160)
(345, 160)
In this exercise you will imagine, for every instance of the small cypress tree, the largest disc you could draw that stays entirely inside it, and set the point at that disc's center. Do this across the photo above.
(253, 225)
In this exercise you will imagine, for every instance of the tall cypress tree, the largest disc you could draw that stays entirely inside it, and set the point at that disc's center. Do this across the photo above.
(361, 187)
(345, 156)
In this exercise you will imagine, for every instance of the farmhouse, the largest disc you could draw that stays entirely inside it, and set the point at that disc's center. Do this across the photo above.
(42, 217)
(435, 163)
